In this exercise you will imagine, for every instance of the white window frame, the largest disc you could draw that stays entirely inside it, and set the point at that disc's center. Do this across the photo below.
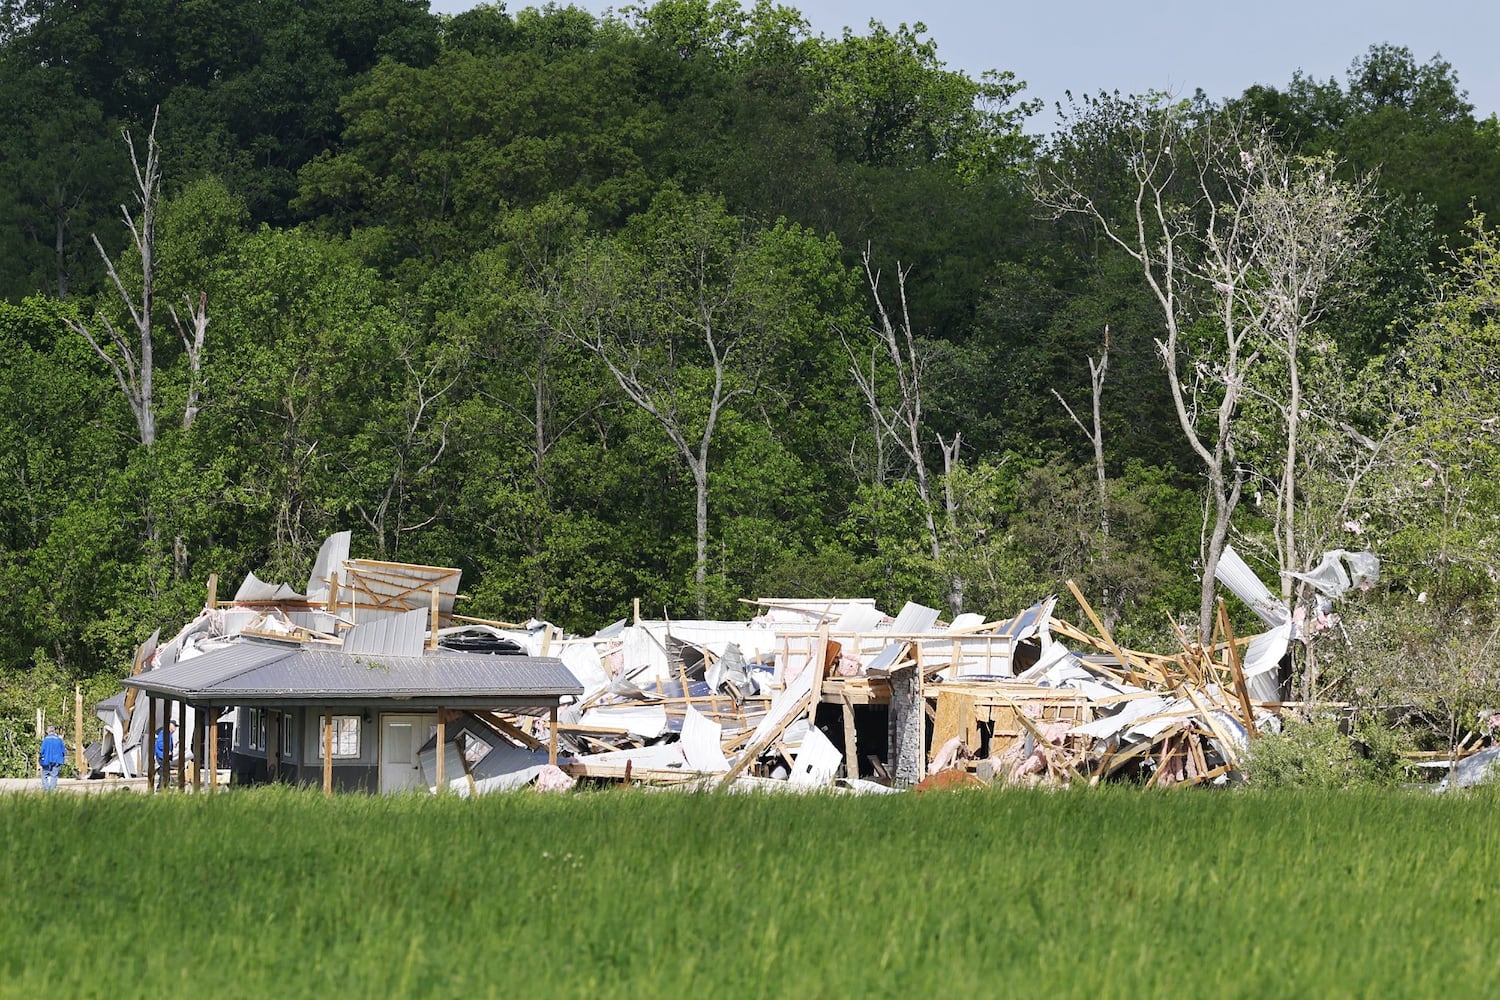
(346, 736)
(255, 728)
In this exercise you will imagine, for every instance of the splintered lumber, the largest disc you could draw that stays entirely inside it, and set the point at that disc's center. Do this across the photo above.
(789, 706)
(1104, 633)
(1123, 757)
(1226, 740)
(511, 730)
(1237, 672)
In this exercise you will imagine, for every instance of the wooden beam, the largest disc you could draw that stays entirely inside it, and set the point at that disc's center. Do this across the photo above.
(765, 741)
(1104, 634)
(851, 741)
(328, 750)
(510, 729)
(1237, 671)
(432, 639)
(213, 591)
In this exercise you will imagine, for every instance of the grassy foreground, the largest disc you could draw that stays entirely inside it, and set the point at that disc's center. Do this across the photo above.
(1102, 893)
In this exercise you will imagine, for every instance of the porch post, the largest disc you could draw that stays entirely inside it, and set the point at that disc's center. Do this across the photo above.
(328, 750)
(552, 736)
(181, 747)
(213, 748)
(198, 748)
(148, 745)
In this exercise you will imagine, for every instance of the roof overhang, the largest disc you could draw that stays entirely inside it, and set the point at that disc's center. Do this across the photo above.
(253, 673)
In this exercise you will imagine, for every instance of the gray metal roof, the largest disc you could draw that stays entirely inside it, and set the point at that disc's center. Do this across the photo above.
(252, 672)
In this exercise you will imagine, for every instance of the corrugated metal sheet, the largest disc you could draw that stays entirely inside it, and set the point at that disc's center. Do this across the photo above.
(330, 562)
(400, 635)
(1234, 573)
(207, 672)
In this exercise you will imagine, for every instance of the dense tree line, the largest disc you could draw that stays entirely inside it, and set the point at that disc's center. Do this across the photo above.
(691, 304)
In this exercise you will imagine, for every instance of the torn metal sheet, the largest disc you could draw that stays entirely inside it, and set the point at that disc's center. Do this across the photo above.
(701, 743)
(1112, 725)
(398, 635)
(1055, 657)
(817, 760)
(329, 565)
(646, 721)
(1234, 573)
(1262, 658)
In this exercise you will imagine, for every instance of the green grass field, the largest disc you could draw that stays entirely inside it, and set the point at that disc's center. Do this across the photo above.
(1099, 893)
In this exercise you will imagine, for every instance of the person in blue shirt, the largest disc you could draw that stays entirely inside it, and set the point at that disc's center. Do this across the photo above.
(51, 758)
(164, 740)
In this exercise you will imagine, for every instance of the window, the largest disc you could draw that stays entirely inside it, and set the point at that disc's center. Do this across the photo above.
(473, 748)
(345, 736)
(287, 743)
(254, 722)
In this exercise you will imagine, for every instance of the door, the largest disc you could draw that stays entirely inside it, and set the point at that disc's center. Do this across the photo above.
(401, 736)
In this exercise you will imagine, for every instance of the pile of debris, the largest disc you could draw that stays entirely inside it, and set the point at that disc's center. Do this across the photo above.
(829, 693)
(820, 693)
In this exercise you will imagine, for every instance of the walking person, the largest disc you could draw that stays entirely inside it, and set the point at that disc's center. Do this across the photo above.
(51, 757)
(164, 747)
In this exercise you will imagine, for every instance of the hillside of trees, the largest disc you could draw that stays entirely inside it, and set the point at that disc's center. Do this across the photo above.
(694, 304)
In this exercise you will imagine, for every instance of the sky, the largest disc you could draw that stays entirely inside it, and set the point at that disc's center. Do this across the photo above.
(1176, 46)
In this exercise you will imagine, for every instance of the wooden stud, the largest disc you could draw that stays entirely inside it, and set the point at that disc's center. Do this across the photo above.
(1104, 634)
(755, 748)
(432, 640)
(328, 750)
(851, 741)
(1237, 671)
(213, 591)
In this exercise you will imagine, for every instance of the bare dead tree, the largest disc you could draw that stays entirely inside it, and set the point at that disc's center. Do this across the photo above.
(897, 415)
(682, 346)
(1095, 434)
(1186, 225)
(192, 333)
(1309, 233)
(131, 360)
(896, 411)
